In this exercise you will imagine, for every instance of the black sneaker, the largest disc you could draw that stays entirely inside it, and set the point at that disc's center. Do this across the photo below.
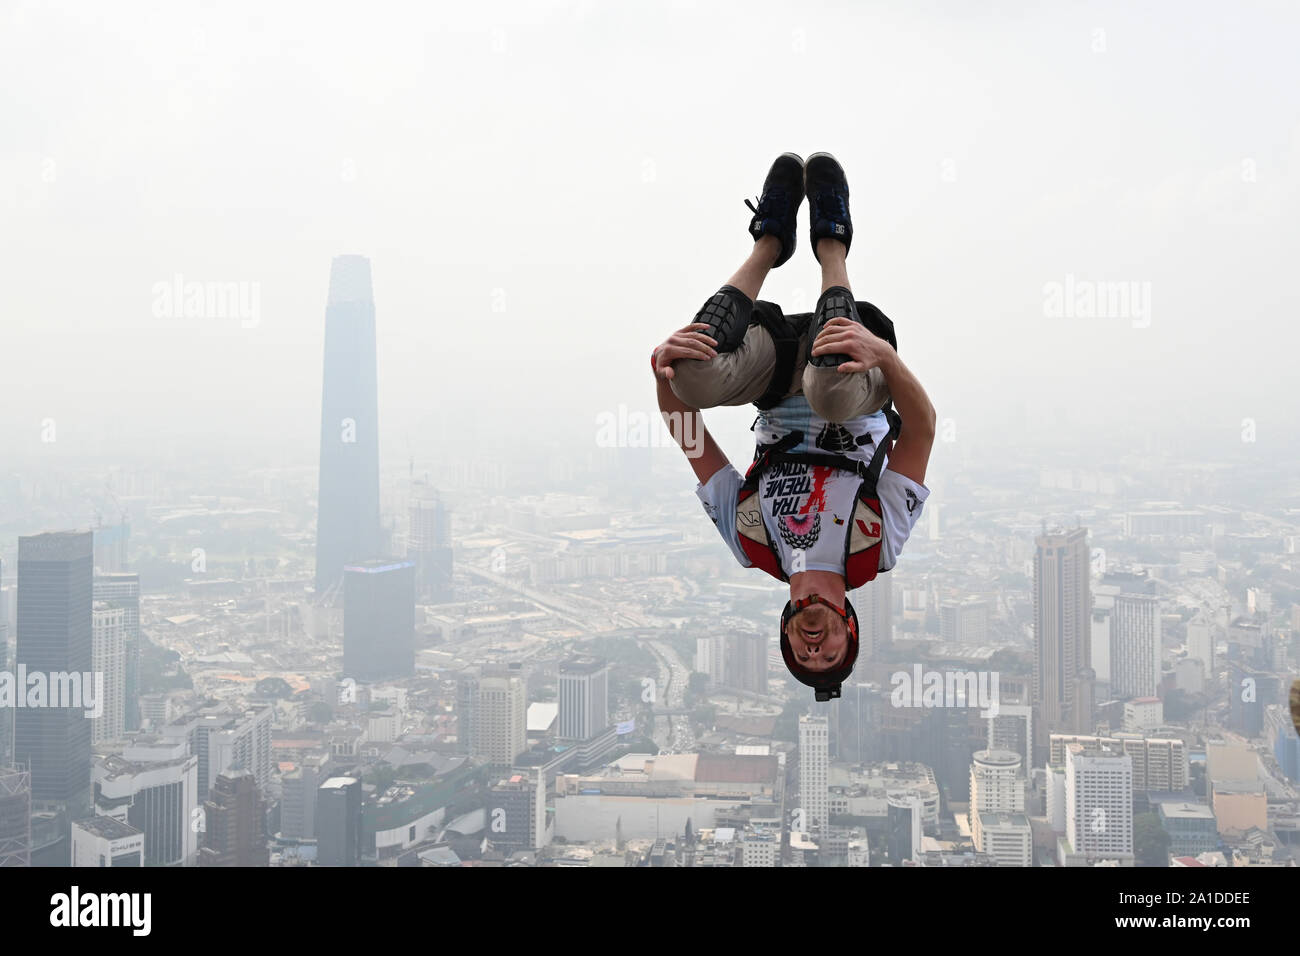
(778, 208)
(828, 200)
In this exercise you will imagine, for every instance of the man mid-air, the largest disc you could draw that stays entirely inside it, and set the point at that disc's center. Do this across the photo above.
(827, 502)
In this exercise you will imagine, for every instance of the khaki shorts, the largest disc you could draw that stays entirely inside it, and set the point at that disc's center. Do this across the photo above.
(742, 376)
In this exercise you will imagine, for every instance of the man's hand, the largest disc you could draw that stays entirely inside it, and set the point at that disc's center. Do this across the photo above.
(910, 455)
(864, 349)
(687, 343)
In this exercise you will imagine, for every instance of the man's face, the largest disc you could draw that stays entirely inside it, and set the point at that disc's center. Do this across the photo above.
(819, 638)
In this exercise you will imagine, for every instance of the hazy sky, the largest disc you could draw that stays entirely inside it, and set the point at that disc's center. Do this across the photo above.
(545, 190)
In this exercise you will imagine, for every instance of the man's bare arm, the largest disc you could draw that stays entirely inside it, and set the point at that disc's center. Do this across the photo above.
(684, 422)
(910, 455)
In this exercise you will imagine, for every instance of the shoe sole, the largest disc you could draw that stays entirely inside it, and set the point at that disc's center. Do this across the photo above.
(843, 176)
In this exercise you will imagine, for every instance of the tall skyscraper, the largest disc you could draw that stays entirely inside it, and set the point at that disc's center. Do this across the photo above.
(500, 719)
(1063, 675)
(429, 546)
(234, 823)
(338, 822)
(874, 603)
(347, 522)
(123, 589)
(584, 696)
(55, 573)
(814, 770)
(1134, 637)
(1098, 803)
(379, 619)
(108, 660)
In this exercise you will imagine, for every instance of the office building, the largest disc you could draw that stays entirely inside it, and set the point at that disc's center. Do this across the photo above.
(379, 619)
(1134, 636)
(298, 803)
(106, 841)
(1098, 804)
(234, 823)
(338, 822)
(153, 786)
(429, 546)
(516, 812)
(964, 622)
(584, 698)
(55, 574)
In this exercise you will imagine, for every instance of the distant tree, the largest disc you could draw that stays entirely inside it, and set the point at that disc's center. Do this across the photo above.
(1007, 661)
(1198, 779)
(1150, 841)
(319, 712)
(275, 687)
(382, 776)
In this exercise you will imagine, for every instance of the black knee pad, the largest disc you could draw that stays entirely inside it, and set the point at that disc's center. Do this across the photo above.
(835, 303)
(727, 314)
